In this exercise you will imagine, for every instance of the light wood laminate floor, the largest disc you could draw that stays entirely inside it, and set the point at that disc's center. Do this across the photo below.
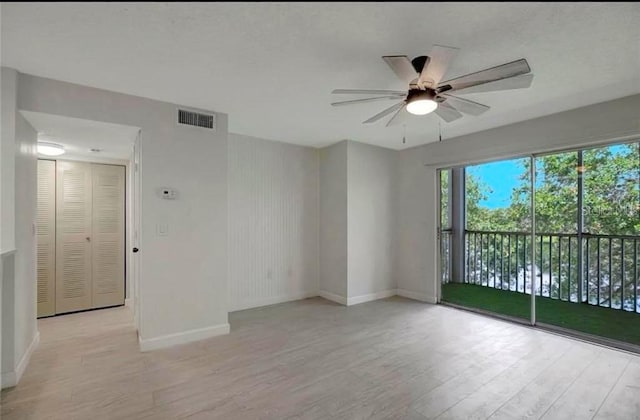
(312, 359)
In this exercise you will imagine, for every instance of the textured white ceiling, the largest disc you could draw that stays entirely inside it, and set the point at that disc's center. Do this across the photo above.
(78, 136)
(272, 66)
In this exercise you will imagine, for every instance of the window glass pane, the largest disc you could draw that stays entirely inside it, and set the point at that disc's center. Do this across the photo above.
(589, 283)
(557, 193)
(445, 233)
(498, 196)
(557, 244)
(612, 190)
(444, 198)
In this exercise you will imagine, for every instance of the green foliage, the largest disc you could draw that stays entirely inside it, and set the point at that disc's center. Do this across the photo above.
(612, 190)
(444, 202)
(611, 199)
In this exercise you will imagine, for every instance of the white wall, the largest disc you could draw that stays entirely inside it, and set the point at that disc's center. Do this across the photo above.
(357, 222)
(25, 257)
(8, 375)
(8, 89)
(8, 103)
(333, 222)
(1, 317)
(415, 229)
(370, 173)
(273, 222)
(416, 202)
(183, 275)
(19, 274)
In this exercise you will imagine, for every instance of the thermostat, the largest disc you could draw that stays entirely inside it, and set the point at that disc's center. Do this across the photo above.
(168, 193)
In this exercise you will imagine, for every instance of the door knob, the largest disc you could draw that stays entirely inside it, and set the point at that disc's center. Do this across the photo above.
(135, 250)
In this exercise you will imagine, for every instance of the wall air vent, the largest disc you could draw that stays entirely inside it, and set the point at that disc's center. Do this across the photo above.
(196, 119)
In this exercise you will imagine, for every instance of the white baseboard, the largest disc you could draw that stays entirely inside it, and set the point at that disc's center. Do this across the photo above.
(371, 296)
(10, 379)
(271, 301)
(423, 297)
(333, 297)
(182, 337)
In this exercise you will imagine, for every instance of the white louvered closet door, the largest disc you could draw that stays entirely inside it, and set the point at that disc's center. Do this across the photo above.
(46, 237)
(73, 244)
(108, 235)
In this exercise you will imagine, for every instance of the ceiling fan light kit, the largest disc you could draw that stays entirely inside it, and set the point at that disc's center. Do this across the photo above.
(427, 92)
(421, 102)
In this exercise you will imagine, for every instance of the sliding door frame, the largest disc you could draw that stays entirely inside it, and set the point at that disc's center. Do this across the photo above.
(439, 272)
(579, 149)
(532, 209)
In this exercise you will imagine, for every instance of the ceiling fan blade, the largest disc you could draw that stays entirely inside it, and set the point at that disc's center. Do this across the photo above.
(385, 112)
(437, 65)
(401, 66)
(398, 118)
(517, 82)
(465, 105)
(514, 68)
(447, 112)
(368, 92)
(357, 101)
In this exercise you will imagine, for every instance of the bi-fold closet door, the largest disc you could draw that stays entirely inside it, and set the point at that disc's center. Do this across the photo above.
(89, 237)
(46, 237)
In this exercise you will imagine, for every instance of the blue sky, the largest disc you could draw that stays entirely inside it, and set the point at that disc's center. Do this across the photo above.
(501, 178)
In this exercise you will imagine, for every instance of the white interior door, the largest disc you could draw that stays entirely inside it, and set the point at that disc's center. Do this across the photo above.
(46, 237)
(107, 235)
(73, 236)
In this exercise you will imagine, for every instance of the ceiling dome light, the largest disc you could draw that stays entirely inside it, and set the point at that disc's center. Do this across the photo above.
(50, 149)
(422, 106)
(421, 102)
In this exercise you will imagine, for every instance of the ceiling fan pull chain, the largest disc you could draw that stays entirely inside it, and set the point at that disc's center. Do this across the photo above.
(404, 134)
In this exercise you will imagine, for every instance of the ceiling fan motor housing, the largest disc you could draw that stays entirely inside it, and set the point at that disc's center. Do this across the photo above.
(419, 63)
(415, 94)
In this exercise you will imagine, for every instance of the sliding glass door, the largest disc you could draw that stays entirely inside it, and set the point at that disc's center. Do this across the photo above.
(577, 252)
(588, 219)
(491, 228)
(444, 226)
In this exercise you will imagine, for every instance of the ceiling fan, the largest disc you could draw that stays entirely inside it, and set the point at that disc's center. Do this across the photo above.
(428, 93)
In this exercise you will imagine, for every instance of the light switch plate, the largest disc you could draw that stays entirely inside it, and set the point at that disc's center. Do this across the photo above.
(162, 229)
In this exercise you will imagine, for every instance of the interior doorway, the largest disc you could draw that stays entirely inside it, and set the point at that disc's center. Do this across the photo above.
(80, 236)
(85, 215)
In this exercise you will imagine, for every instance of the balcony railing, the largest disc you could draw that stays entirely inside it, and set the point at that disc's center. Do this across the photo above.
(502, 260)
